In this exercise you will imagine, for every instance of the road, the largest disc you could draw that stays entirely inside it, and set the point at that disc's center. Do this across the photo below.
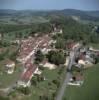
(67, 76)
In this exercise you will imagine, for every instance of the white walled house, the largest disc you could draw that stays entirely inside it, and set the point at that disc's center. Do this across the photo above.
(86, 62)
(57, 31)
(10, 66)
(82, 62)
(25, 81)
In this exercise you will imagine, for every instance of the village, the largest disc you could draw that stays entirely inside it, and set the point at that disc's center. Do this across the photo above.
(85, 57)
(49, 50)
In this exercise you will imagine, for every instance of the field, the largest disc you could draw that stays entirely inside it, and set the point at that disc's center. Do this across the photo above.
(13, 32)
(46, 87)
(5, 79)
(89, 90)
(43, 87)
(22, 20)
(8, 80)
(95, 46)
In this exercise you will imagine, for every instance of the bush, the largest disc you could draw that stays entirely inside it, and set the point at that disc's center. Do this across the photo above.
(4, 98)
(25, 90)
(39, 56)
(60, 44)
(56, 57)
(34, 81)
(41, 67)
(56, 82)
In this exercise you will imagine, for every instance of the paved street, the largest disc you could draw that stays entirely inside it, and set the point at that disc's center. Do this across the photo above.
(67, 76)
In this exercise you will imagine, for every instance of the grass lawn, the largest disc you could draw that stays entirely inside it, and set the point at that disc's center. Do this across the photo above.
(43, 87)
(95, 46)
(46, 87)
(8, 51)
(6, 79)
(89, 90)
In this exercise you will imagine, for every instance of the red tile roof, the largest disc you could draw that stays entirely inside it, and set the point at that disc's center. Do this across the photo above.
(26, 48)
(28, 45)
(70, 45)
(29, 72)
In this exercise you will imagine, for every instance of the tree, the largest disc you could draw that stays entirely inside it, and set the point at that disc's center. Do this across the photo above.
(96, 59)
(53, 95)
(76, 31)
(4, 43)
(25, 90)
(60, 44)
(1, 57)
(40, 78)
(4, 98)
(41, 67)
(61, 70)
(20, 35)
(34, 81)
(56, 82)
(44, 97)
(56, 57)
(39, 56)
(13, 55)
(4, 54)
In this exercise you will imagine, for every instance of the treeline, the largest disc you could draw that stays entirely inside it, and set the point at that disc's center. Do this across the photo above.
(6, 53)
(71, 29)
(42, 27)
(11, 28)
(21, 31)
(76, 31)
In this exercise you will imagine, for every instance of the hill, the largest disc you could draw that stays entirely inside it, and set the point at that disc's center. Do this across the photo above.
(34, 16)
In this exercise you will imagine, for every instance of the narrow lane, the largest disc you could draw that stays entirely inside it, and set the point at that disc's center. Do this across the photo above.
(67, 76)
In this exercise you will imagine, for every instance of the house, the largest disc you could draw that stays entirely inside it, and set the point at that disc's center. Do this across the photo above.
(16, 41)
(27, 56)
(49, 65)
(57, 30)
(91, 49)
(81, 62)
(10, 66)
(86, 62)
(85, 59)
(29, 70)
(82, 50)
(70, 45)
(45, 45)
(67, 61)
(76, 80)
(79, 65)
(76, 45)
(31, 45)
(26, 76)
